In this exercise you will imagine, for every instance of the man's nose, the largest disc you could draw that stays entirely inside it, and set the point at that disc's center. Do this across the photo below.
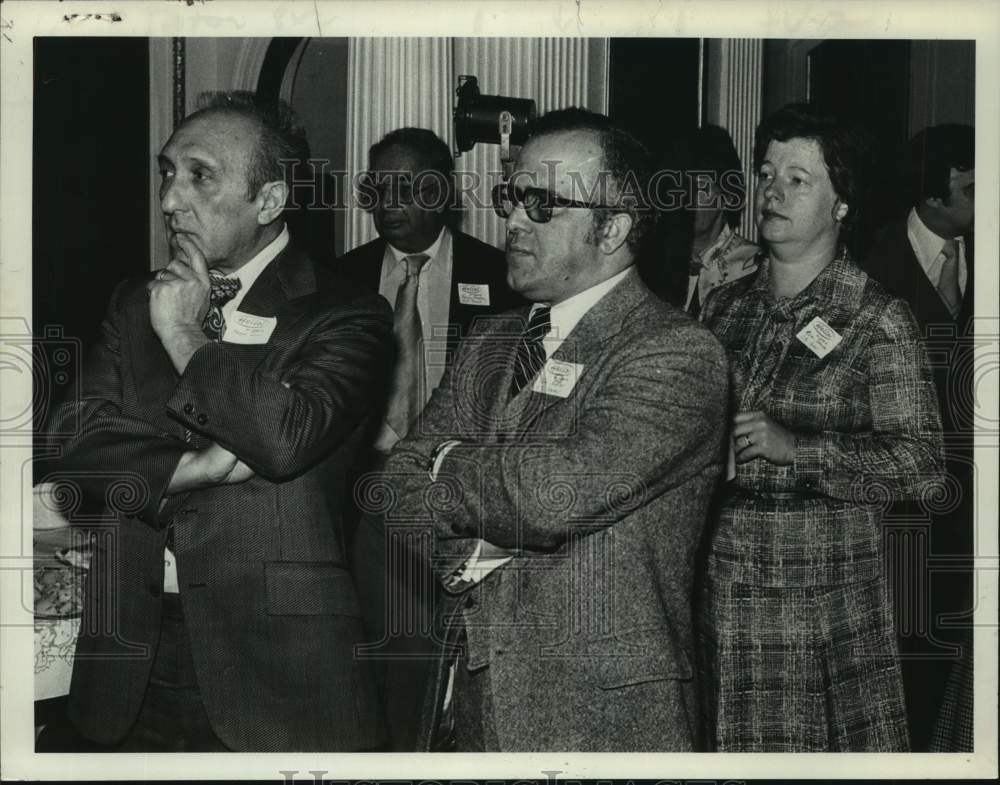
(170, 197)
(518, 221)
(774, 191)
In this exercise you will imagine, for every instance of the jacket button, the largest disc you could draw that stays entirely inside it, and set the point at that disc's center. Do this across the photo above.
(188, 408)
(202, 419)
(155, 590)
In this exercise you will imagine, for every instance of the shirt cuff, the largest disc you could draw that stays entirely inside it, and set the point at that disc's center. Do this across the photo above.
(437, 457)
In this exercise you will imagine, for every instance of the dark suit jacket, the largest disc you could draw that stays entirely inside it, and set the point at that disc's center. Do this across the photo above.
(587, 633)
(948, 339)
(403, 660)
(270, 608)
(929, 646)
(473, 261)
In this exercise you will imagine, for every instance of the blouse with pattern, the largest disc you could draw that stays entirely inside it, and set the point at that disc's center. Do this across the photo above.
(865, 419)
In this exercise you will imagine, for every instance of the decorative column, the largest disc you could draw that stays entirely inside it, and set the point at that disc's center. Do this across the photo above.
(734, 75)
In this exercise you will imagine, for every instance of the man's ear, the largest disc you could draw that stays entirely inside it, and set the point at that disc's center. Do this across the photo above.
(934, 202)
(840, 212)
(271, 201)
(615, 232)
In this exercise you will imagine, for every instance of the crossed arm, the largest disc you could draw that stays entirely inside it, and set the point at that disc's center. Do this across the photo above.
(656, 419)
(276, 422)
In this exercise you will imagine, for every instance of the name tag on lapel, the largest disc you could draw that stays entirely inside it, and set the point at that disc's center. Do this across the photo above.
(557, 378)
(474, 293)
(820, 337)
(249, 330)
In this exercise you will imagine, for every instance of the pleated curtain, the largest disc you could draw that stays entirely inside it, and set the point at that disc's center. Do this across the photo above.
(412, 81)
(735, 84)
(393, 82)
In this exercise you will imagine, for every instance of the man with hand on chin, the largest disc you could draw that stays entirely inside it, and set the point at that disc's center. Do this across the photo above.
(227, 394)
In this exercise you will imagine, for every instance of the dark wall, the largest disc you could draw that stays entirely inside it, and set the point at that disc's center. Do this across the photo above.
(653, 87)
(653, 92)
(90, 189)
(868, 84)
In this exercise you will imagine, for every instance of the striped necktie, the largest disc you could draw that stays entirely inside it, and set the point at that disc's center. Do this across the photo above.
(530, 355)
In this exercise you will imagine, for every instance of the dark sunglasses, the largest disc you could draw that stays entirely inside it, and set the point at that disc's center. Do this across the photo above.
(538, 203)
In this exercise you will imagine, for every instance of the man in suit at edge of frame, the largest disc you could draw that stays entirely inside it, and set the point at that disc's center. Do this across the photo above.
(229, 390)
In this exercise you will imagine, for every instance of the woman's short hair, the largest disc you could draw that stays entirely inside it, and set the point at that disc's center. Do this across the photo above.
(840, 143)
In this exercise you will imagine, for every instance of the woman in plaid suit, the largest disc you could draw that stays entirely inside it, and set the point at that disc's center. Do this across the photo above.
(835, 414)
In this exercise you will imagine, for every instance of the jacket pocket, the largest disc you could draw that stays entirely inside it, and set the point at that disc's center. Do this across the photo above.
(297, 588)
(639, 659)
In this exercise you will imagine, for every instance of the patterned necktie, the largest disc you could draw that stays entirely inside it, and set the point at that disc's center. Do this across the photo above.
(223, 290)
(407, 377)
(530, 355)
(947, 286)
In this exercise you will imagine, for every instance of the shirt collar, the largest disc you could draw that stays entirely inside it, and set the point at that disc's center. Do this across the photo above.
(724, 237)
(927, 245)
(565, 315)
(249, 272)
(431, 250)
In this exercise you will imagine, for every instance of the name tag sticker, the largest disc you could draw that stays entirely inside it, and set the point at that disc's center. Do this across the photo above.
(248, 330)
(557, 378)
(474, 293)
(820, 337)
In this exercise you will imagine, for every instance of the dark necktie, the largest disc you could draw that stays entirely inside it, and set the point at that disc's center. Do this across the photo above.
(404, 396)
(530, 355)
(948, 286)
(223, 290)
(694, 307)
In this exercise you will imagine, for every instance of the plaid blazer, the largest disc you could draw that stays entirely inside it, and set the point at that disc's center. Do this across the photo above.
(865, 419)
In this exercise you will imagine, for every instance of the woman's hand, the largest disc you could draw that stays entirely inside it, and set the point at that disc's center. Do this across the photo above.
(755, 435)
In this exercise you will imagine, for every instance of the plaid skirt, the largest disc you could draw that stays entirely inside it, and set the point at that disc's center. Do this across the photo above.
(801, 669)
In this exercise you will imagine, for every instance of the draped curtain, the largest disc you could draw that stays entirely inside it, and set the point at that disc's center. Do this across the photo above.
(394, 82)
(734, 90)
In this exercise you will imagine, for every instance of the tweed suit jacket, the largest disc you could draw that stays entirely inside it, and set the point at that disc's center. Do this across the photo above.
(603, 495)
(269, 606)
(473, 261)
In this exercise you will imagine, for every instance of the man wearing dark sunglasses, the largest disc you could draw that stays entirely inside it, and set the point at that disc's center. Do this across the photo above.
(562, 473)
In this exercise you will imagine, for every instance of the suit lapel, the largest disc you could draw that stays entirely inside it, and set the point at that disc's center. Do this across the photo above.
(287, 278)
(584, 346)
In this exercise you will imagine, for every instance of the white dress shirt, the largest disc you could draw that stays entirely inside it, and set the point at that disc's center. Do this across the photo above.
(434, 304)
(927, 247)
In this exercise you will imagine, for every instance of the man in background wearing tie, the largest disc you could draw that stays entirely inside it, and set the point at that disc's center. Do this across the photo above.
(926, 257)
(562, 471)
(219, 415)
(439, 281)
(438, 278)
